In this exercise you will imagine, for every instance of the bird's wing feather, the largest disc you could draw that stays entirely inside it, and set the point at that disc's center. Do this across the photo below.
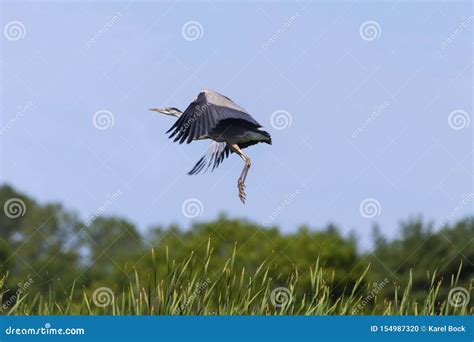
(204, 113)
(215, 154)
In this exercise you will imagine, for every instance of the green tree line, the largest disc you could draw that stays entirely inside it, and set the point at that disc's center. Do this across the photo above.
(53, 250)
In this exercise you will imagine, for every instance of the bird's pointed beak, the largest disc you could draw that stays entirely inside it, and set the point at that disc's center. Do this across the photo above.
(155, 109)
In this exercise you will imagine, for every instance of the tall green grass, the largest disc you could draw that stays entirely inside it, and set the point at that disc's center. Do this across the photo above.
(190, 288)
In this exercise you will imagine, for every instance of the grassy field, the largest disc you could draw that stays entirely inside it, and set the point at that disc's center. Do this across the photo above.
(190, 289)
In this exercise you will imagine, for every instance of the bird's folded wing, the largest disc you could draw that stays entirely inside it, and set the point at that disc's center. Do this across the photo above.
(203, 114)
(215, 154)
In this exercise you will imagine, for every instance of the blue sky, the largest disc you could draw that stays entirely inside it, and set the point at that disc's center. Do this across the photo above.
(371, 101)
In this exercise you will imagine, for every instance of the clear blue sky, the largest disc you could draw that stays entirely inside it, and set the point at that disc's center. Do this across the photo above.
(369, 106)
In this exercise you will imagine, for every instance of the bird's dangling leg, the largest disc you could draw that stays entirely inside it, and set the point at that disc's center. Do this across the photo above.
(243, 175)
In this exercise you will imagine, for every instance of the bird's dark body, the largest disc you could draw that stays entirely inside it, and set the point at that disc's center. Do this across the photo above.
(240, 132)
(214, 116)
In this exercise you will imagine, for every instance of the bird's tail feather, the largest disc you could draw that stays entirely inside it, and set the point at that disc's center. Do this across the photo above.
(216, 153)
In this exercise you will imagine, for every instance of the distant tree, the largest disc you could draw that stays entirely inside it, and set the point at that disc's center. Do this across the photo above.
(37, 242)
(51, 246)
(113, 247)
(424, 251)
(255, 244)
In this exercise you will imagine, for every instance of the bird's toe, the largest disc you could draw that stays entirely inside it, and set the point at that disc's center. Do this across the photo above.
(241, 187)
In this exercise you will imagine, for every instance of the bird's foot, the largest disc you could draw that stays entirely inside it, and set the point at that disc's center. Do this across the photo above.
(241, 186)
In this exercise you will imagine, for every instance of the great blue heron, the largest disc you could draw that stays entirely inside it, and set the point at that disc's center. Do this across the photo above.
(216, 117)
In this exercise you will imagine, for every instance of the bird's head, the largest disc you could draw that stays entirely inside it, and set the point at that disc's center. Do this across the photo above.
(168, 111)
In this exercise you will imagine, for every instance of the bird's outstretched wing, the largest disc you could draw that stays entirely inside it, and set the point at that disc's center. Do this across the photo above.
(215, 154)
(204, 113)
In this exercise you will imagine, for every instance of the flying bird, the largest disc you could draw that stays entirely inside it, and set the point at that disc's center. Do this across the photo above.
(216, 117)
